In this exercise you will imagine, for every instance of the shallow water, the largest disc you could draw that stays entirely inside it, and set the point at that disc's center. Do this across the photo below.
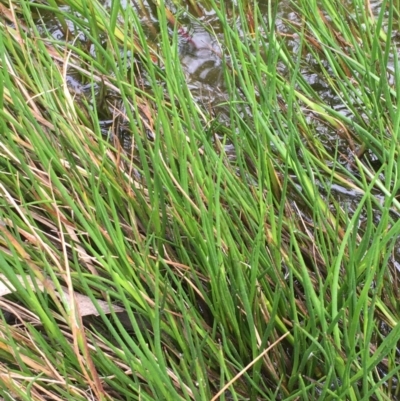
(200, 51)
(200, 44)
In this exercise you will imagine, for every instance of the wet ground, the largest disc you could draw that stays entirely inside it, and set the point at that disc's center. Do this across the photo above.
(200, 50)
(200, 47)
(200, 44)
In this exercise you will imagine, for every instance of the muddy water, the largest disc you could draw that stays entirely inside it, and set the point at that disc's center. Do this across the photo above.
(200, 52)
(200, 44)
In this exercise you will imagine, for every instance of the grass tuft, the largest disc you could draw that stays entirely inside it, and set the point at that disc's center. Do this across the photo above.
(158, 244)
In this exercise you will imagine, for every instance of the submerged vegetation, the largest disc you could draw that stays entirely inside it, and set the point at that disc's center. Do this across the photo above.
(161, 241)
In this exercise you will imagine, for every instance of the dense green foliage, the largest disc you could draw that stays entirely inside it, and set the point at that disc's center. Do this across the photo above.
(233, 275)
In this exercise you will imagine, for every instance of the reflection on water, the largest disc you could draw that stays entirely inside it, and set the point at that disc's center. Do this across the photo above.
(200, 55)
(201, 52)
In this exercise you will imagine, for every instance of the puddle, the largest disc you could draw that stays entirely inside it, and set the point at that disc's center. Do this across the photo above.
(200, 46)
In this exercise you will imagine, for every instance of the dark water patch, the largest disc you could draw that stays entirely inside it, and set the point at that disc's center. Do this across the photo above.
(203, 55)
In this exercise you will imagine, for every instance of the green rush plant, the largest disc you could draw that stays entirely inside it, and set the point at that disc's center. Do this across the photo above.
(160, 245)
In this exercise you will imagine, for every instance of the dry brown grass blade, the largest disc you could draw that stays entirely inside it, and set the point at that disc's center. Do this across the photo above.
(16, 384)
(227, 385)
